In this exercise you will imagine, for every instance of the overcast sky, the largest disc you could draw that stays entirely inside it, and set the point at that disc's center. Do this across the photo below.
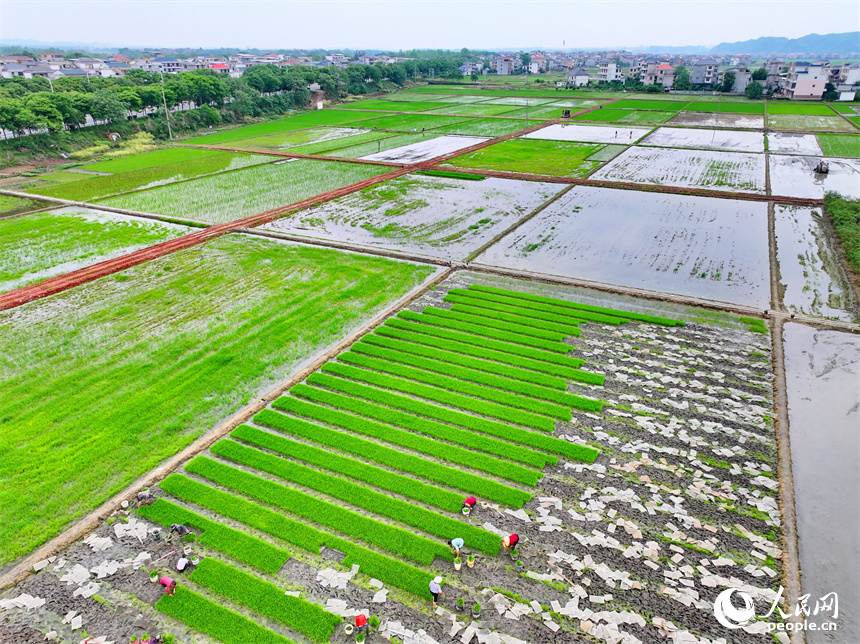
(407, 24)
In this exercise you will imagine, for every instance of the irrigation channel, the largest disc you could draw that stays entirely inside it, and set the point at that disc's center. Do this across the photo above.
(813, 359)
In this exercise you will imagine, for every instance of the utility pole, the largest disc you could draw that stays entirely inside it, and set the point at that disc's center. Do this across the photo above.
(164, 101)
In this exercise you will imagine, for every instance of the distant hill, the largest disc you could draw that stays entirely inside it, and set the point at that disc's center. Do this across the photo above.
(846, 43)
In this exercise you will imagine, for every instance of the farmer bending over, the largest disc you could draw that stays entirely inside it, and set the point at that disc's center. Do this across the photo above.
(510, 541)
(436, 589)
(179, 530)
(361, 623)
(169, 585)
(470, 503)
(144, 497)
(456, 544)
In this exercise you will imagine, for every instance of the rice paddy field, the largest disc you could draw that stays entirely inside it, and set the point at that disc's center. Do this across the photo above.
(557, 348)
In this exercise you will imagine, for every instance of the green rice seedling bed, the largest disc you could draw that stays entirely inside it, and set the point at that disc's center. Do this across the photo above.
(165, 156)
(15, 205)
(391, 106)
(555, 313)
(493, 334)
(462, 357)
(638, 104)
(318, 139)
(100, 186)
(390, 414)
(485, 343)
(839, 145)
(539, 113)
(345, 395)
(495, 323)
(535, 156)
(483, 127)
(483, 406)
(448, 174)
(466, 387)
(854, 119)
(624, 116)
(370, 474)
(793, 107)
(242, 547)
(45, 244)
(832, 123)
(370, 450)
(395, 540)
(629, 315)
(299, 533)
(728, 108)
(213, 619)
(297, 122)
(153, 356)
(843, 109)
(410, 122)
(387, 142)
(234, 195)
(430, 521)
(479, 377)
(460, 301)
(607, 153)
(473, 109)
(266, 599)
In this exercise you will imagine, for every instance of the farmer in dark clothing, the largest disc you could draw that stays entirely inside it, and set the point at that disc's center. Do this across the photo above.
(179, 530)
(510, 541)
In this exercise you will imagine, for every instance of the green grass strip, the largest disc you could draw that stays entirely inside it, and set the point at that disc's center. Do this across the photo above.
(212, 619)
(460, 359)
(427, 364)
(370, 474)
(480, 406)
(388, 537)
(552, 313)
(468, 338)
(448, 174)
(510, 313)
(418, 409)
(452, 345)
(420, 424)
(641, 317)
(494, 323)
(267, 599)
(240, 546)
(391, 571)
(430, 521)
(481, 330)
(345, 394)
(430, 470)
(456, 384)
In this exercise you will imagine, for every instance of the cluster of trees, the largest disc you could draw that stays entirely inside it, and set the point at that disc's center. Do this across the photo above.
(28, 105)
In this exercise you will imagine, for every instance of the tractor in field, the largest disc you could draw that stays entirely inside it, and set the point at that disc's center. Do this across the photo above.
(822, 168)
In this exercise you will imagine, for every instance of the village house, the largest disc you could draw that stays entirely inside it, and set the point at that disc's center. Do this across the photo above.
(703, 72)
(577, 77)
(609, 71)
(805, 80)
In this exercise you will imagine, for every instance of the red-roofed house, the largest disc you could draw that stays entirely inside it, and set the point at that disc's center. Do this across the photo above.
(651, 73)
(221, 68)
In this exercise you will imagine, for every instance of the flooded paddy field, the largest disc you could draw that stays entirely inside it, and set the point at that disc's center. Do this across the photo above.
(748, 121)
(425, 150)
(435, 216)
(475, 109)
(787, 143)
(822, 371)
(709, 248)
(730, 171)
(677, 137)
(794, 176)
(41, 245)
(589, 133)
(811, 277)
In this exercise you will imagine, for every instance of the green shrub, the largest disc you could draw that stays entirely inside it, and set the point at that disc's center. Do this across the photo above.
(458, 386)
(376, 476)
(483, 331)
(397, 459)
(430, 521)
(483, 407)
(578, 308)
(391, 571)
(484, 343)
(267, 599)
(238, 545)
(462, 373)
(210, 618)
(388, 537)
